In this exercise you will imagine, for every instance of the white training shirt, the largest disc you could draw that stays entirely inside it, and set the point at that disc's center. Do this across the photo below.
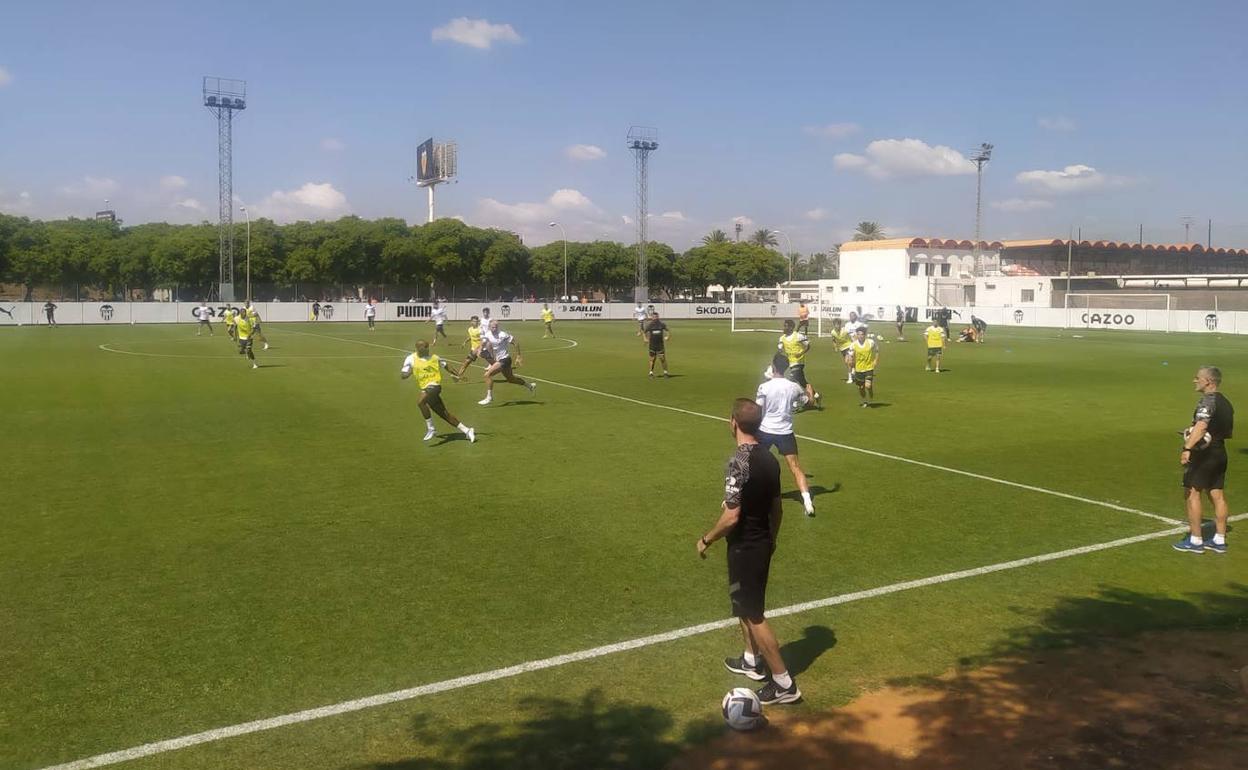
(777, 396)
(639, 313)
(203, 312)
(498, 343)
(370, 311)
(438, 315)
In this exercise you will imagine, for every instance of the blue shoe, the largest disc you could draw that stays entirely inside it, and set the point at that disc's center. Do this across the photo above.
(1185, 545)
(1215, 547)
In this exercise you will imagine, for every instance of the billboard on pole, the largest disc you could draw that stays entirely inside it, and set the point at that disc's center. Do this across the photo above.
(426, 162)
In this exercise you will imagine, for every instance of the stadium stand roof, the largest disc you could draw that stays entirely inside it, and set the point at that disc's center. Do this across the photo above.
(951, 243)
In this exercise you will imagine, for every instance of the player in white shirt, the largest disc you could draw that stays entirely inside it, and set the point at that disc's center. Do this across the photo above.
(370, 315)
(500, 343)
(779, 396)
(204, 314)
(438, 316)
(640, 315)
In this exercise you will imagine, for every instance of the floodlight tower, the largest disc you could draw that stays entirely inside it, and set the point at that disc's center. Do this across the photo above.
(642, 141)
(979, 158)
(435, 163)
(222, 97)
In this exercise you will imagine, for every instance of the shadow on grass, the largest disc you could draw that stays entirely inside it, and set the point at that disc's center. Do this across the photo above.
(519, 402)
(815, 491)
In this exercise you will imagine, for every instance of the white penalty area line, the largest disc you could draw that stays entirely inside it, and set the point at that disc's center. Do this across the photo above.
(398, 696)
(837, 445)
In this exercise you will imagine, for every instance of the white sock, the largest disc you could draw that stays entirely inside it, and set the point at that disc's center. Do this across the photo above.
(783, 679)
(806, 500)
(463, 428)
(750, 658)
(1219, 539)
(429, 423)
(1196, 539)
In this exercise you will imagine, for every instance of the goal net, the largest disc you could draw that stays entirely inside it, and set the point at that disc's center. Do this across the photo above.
(766, 309)
(1116, 310)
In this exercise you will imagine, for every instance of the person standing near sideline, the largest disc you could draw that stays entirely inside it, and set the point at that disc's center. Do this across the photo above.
(548, 318)
(204, 314)
(370, 314)
(656, 337)
(750, 518)
(1204, 462)
(639, 314)
(316, 310)
(935, 337)
(49, 310)
(901, 324)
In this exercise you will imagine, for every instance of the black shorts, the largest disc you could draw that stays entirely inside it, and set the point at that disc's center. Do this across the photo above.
(203, 322)
(748, 566)
(1207, 469)
(487, 355)
(797, 373)
(804, 324)
(659, 351)
(433, 396)
(935, 351)
(437, 329)
(785, 443)
(504, 365)
(861, 377)
(255, 329)
(244, 345)
(372, 319)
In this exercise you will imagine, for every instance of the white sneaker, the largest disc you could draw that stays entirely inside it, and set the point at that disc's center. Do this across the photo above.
(532, 387)
(849, 381)
(255, 366)
(472, 436)
(266, 346)
(428, 434)
(485, 401)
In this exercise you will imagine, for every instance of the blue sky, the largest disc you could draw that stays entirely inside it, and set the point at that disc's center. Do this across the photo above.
(801, 116)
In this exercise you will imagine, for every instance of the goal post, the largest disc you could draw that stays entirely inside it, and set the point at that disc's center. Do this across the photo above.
(1090, 310)
(765, 309)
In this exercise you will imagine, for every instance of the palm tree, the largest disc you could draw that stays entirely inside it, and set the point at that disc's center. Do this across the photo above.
(715, 236)
(869, 231)
(764, 238)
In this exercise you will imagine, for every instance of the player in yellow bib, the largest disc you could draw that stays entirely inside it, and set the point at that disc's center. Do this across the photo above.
(245, 330)
(229, 317)
(841, 338)
(548, 318)
(935, 337)
(254, 318)
(475, 351)
(866, 353)
(428, 371)
(795, 346)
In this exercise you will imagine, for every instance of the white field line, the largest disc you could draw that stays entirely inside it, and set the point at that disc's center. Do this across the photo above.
(825, 442)
(397, 696)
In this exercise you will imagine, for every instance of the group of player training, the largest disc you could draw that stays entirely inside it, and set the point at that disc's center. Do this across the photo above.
(241, 325)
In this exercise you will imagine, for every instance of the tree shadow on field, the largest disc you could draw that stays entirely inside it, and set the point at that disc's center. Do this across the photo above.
(1123, 679)
(555, 734)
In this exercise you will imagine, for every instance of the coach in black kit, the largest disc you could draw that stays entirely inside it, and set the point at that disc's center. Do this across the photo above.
(1203, 458)
(751, 521)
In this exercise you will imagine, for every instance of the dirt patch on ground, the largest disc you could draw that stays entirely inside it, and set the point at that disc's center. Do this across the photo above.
(1164, 700)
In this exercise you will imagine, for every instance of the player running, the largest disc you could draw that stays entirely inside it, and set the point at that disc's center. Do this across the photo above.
(203, 313)
(548, 318)
(245, 331)
(499, 343)
(795, 346)
(254, 319)
(428, 371)
(438, 316)
(370, 314)
(475, 349)
(866, 352)
(901, 324)
(843, 339)
(49, 310)
(230, 319)
(779, 396)
(935, 337)
(657, 336)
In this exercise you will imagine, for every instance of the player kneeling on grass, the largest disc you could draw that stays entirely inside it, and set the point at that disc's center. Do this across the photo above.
(866, 353)
(779, 396)
(499, 343)
(428, 371)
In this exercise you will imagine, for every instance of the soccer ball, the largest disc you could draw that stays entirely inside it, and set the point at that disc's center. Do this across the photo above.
(1205, 440)
(741, 708)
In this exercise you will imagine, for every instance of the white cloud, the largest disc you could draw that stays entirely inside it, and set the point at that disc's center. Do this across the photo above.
(887, 158)
(6, 77)
(19, 204)
(833, 130)
(1056, 123)
(476, 33)
(676, 216)
(90, 187)
(585, 152)
(817, 215)
(172, 182)
(312, 201)
(563, 201)
(332, 144)
(189, 204)
(627, 219)
(1076, 178)
(1020, 205)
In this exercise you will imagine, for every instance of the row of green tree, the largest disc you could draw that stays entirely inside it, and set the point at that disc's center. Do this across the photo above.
(365, 253)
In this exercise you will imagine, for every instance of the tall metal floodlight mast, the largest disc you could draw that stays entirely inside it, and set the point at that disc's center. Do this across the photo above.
(435, 163)
(979, 158)
(222, 97)
(642, 141)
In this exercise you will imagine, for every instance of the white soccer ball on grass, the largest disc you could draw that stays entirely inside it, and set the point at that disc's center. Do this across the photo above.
(742, 709)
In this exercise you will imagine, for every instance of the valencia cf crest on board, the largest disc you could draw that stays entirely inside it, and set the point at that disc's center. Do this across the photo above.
(1211, 322)
(1018, 316)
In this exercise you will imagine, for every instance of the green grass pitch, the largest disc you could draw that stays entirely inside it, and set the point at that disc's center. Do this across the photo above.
(190, 544)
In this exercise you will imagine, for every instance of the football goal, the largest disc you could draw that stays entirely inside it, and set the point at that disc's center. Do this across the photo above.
(766, 309)
(1116, 310)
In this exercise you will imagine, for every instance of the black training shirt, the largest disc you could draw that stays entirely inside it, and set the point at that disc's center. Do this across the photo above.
(752, 482)
(1215, 409)
(655, 329)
